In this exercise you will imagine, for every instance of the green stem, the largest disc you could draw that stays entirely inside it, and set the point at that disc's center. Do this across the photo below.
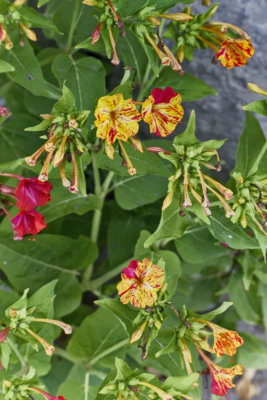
(109, 275)
(143, 92)
(73, 25)
(12, 345)
(108, 351)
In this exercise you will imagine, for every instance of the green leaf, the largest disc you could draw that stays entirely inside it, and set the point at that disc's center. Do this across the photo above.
(98, 339)
(198, 246)
(132, 192)
(35, 263)
(6, 67)
(78, 385)
(259, 106)
(128, 7)
(234, 235)
(241, 299)
(27, 71)
(66, 103)
(172, 268)
(181, 384)
(253, 353)
(125, 313)
(189, 87)
(120, 247)
(63, 203)
(251, 148)
(85, 77)
(171, 225)
(220, 310)
(188, 137)
(37, 20)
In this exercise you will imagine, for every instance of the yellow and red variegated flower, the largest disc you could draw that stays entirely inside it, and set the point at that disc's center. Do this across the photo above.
(225, 341)
(235, 52)
(140, 282)
(116, 118)
(162, 110)
(221, 377)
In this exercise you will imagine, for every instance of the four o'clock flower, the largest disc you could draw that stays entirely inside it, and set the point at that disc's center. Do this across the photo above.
(45, 395)
(31, 192)
(221, 377)
(117, 119)
(162, 110)
(27, 223)
(3, 110)
(235, 52)
(141, 281)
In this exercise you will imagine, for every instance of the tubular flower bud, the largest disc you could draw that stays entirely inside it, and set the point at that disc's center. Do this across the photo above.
(221, 377)
(18, 3)
(74, 187)
(64, 179)
(161, 394)
(28, 223)
(96, 33)
(8, 42)
(115, 60)
(3, 110)
(49, 349)
(257, 89)
(162, 110)
(165, 60)
(3, 334)
(138, 333)
(180, 17)
(140, 283)
(45, 395)
(90, 2)
(29, 33)
(66, 327)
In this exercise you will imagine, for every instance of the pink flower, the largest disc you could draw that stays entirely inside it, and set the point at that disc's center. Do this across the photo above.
(27, 222)
(3, 334)
(3, 110)
(31, 192)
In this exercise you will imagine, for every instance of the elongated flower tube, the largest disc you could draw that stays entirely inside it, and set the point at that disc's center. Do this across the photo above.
(141, 281)
(29, 33)
(49, 349)
(4, 333)
(66, 327)
(221, 377)
(45, 395)
(161, 394)
(162, 110)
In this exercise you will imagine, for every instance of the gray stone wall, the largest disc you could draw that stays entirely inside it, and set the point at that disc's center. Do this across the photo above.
(222, 116)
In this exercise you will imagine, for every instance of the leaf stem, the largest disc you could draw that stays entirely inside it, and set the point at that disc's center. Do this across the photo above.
(143, 92)
(12, 345)
(108, 275)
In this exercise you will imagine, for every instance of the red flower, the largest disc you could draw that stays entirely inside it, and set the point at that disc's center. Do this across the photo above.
(31, 192)
(27, 222)
(3, 110)
(3, 334)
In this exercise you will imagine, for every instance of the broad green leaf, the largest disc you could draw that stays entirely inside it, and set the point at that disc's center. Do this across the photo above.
(64, 302)
(251, 148)
(232, 234)
(34, 263)
(85, 77)
(63, 202)
(180, 383)
(98, 339)
(198, 246)
(120, 247)
(128, 7)
(16, 143)
(125, 313)
(253, 353)
(220, 310)
(171, 224)
(6, 67)
(132, 192)
(189, 87)
(37, 19)
(242, 300)
(79, 385)
(172, 268)
(27, 71)
(132, 53)
(259, 107)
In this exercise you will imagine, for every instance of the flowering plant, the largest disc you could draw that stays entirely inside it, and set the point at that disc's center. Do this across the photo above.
(114, 217)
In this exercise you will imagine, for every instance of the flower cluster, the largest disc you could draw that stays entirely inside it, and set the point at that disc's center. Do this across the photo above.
(117, 119)
(12, 14)
(231, 45)
(22, 389)
(29, 194)
(250, 202)
(65, 142)
(189, 182)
